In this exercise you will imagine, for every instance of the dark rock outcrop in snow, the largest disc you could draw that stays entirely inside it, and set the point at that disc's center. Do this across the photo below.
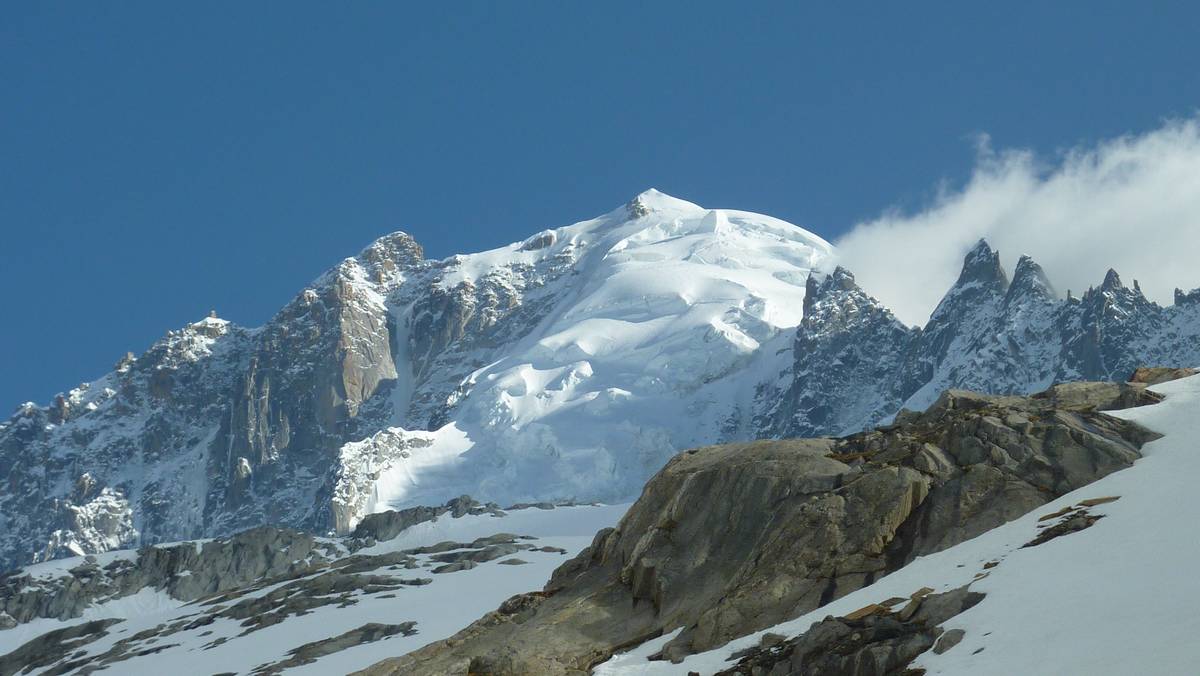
(186, 571)
(387, 525)
(877, 641)
(255, 580)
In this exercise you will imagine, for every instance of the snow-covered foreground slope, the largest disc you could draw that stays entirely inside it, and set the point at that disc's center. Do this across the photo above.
(1116, 598)
(204, 642)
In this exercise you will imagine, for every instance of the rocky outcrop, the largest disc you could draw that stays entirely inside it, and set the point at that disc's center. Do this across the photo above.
(223, 591)
(387, 525)
(188, 571)
(878, 640)
(53, 646)
(730, 539)
(311, 652)
(1160, 374)
(185, 571)
(855, 365)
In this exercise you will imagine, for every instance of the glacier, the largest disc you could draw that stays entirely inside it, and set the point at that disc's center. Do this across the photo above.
(568, 366)
(641, 348)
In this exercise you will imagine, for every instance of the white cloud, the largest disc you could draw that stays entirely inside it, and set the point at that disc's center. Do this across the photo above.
(1131, 203)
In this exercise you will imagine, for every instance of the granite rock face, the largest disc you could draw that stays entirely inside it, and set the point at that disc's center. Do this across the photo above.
(214, 429)
(855, 365)
(217, 428)
(1160, 374)
(730, 539)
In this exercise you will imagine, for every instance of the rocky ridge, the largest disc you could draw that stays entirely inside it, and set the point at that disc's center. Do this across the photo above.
(855, 365)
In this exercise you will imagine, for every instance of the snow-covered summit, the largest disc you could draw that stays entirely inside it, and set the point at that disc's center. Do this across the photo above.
(567, 365)
(622, 339)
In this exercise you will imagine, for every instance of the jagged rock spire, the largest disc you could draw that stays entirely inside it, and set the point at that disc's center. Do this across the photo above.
(390, 254)
(1112, 281)
(1029, 280)
(982, 265)
(1187, 298)
(818, 288)
(982, 281)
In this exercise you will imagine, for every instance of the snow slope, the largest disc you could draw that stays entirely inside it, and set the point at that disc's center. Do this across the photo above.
(652, 342)
(447, 604)
(1117, 598)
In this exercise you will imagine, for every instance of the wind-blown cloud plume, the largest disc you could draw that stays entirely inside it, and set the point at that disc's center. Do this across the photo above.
(1131, 203)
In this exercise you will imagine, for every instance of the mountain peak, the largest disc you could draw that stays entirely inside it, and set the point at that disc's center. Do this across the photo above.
(652, 200)
(1112, 281)
(820, 288)
(843, 278)
(837, 293)
(388, 256)
(1187, 298)
(981, 248)
(982, 265)
(1030, 279)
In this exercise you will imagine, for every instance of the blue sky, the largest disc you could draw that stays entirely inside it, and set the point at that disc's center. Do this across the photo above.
(158, 160)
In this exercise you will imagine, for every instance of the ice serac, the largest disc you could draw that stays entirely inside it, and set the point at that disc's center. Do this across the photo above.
(569, 365)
